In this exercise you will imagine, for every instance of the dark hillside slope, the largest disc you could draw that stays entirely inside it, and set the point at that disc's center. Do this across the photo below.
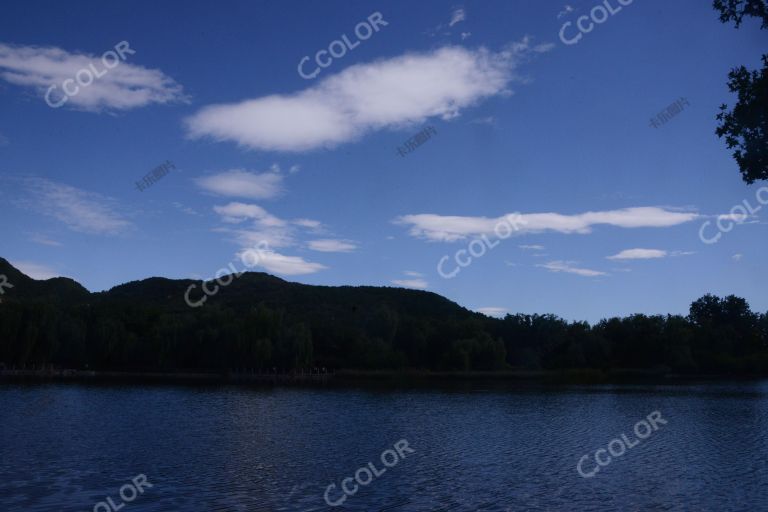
(258, 321)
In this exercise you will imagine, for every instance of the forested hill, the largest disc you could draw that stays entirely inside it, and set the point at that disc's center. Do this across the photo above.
(26, 288)
(259, 321)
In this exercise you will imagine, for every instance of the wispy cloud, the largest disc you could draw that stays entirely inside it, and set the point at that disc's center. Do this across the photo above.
(639, 254)
(737, 257)
(569, 268)
(279, 263)
(489, 120)
(385, 94)
(448, 228)
(416, 281)
(418, 284)
(331, 245)
(264, 233)
(739, 218)
(457, 16)
(235, 213)
(647, 254)
(184, 209)
(262, 227)
(309, 223)
(258, 225)
(35, 270)
(531, 247)
(242, 183)
(79, 210)
(124, 87)
(493, 311)
(44, 240)
(565, 12)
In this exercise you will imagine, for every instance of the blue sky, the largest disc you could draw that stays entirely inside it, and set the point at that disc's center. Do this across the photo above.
(611, 206)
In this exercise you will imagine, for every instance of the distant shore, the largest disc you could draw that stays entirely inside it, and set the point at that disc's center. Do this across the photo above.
(368, 377)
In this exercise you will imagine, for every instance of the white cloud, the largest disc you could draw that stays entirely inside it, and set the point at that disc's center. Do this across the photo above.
(493, 311)
(447, 228)
(279, 263)
(236, 213)
(531, 247)
(79, 210)
(639, 254)
(35, 270)
(184, 209)
(735, 217)
(567, 266)
(737, 257)
(124, 87)
(385, 94)
(309, 223)
(489, 120)
(647, 254)
(330, 245)
(418, 284)
(457, 16)
(566, 10)
(267, 232)
(44, 240)
(241, 183)
(263, 228)
(267, 228)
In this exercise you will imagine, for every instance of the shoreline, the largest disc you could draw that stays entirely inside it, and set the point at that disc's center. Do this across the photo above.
(376, 378)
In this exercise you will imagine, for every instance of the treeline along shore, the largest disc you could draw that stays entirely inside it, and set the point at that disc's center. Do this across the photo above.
(262, 328)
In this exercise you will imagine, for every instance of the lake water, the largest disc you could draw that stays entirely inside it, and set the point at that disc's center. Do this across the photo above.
(69, 447)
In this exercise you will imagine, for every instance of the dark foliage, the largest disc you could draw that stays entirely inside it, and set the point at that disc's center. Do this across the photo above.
(262, 322)
(735, 10)
(745, 127)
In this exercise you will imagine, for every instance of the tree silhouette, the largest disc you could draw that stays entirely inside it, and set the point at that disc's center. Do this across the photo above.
(745, 127)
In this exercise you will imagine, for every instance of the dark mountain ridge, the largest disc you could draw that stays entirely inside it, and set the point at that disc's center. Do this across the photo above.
(259, 321)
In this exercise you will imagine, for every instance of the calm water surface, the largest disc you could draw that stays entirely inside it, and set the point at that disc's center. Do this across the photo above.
(68, 447)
